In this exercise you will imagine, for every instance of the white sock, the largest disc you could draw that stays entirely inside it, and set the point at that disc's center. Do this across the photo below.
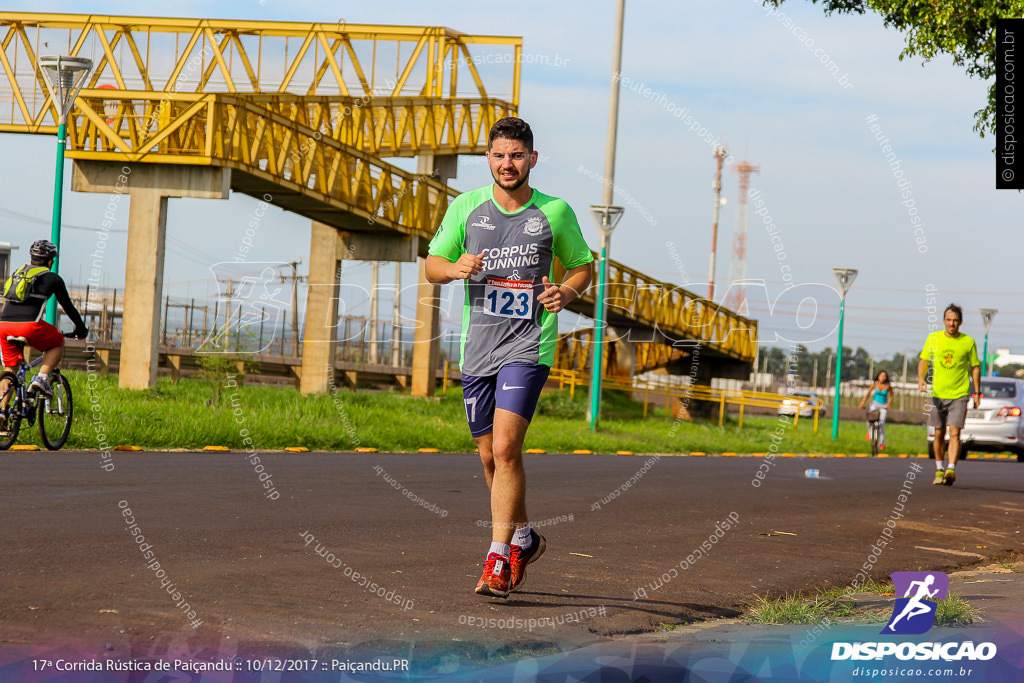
(522, 537)
(952, 466)
(939, 465)
(44, 375)
(500, 548)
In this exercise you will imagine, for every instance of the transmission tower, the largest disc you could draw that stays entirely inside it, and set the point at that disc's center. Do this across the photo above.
(737, 298)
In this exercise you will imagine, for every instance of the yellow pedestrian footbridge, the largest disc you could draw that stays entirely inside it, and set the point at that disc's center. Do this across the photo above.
(303, 116)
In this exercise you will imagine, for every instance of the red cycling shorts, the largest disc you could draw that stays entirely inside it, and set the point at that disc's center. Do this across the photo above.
(41, 336)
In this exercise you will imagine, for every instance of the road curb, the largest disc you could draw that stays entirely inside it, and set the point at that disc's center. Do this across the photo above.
(540, 451)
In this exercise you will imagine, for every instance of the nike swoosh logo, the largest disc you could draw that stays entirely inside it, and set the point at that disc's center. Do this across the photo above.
(506, 387)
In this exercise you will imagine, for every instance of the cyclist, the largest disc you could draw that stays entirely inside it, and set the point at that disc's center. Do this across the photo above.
(24, 296)
(880, 393)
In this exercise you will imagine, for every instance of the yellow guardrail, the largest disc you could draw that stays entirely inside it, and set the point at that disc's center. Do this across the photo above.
(229, 55)
(234, 131)
(724, 397)
(661, 312)
(684, 392)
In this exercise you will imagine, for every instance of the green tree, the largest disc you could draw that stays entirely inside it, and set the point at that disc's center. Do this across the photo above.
(963, 29)
(777, 361)
(1010, 370)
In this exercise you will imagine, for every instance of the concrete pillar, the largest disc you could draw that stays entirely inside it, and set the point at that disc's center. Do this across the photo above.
(427, 349)
(320, 338)
(149, 186)
(143, 290)
(328, 247)
(622, 353)
(427, 346)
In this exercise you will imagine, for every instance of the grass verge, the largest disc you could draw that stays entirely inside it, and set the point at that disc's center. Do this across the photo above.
(834, 606)
(191, 414)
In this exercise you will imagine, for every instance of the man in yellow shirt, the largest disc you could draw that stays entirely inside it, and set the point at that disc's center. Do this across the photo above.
(954, 359)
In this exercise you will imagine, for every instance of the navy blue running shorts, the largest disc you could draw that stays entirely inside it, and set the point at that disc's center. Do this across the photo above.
(516, 388)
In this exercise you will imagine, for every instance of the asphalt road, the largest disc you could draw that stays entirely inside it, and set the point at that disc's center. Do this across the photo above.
(282, 569)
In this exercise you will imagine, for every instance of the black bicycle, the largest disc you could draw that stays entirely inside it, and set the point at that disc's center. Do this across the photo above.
(875, 430)
(18, 404)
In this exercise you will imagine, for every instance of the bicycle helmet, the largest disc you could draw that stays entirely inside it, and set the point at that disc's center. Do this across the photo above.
(44, 249)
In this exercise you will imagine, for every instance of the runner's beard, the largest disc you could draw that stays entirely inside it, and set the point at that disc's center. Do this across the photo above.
(516, 183)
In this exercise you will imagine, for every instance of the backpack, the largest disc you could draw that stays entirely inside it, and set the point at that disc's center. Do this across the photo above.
(19, 284)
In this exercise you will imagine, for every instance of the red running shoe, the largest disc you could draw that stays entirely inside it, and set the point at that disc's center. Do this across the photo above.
(496, 577)
(521, 558)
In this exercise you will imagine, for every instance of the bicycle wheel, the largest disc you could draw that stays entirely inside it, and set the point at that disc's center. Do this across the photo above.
(54, 414)
(874, 438)
(10, 393)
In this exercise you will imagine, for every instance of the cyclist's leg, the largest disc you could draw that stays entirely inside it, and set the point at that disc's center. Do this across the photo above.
(5, 398)
(51, 359)
(47, 339)
(871, 424)
(10, 356)
(880, 407)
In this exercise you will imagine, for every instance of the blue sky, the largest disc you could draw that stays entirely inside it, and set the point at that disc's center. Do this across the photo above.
(828, 193)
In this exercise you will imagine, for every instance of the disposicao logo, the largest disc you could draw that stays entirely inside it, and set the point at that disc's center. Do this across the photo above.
(914, 614)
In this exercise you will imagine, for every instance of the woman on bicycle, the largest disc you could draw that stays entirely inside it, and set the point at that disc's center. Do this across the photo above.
(880, 392)
(21, 309)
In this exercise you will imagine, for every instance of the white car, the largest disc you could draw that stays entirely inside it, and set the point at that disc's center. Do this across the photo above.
(997, 424)
(808, 399)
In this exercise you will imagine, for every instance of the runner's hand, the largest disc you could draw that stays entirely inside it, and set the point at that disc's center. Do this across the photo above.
(467, 266)
(551, 297)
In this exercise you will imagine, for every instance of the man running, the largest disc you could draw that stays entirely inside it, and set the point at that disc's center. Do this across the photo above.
(502, 240)
(24, 297)
(953, 356)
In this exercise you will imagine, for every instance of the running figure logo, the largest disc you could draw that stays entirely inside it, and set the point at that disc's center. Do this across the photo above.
(913, 613)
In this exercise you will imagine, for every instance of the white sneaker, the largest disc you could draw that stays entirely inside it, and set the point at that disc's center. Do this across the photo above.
(41, 385)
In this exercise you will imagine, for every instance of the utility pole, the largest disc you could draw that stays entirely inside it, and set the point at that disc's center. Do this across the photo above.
(295, 277)
(828, 369)
(396, 322)
(374, 289)
(906, 352)
(720, 154)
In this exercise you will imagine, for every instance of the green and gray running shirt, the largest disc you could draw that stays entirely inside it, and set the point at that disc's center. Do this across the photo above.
(502, 321)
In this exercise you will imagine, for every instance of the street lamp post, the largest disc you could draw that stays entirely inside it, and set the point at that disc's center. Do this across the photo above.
(607, 217)
(844, 278)
(986, 318)
(65, 76)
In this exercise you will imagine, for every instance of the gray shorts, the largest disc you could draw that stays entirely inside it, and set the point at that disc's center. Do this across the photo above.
(948, 412)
